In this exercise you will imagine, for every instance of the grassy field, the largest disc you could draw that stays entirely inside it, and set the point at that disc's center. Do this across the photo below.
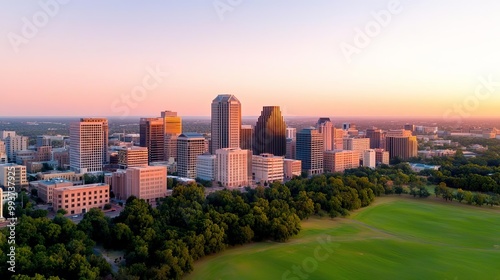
(396, 238)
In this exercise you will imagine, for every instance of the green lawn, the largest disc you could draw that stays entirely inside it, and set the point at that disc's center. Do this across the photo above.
(397, 238)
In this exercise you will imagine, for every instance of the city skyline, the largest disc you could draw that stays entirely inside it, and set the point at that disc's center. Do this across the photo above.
(290, 57)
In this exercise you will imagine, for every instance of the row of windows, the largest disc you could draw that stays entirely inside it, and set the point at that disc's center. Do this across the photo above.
(84, 204)
(84, 193)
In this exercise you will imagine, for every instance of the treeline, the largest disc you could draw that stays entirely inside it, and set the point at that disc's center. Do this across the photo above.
(478, 199)
(164, 242)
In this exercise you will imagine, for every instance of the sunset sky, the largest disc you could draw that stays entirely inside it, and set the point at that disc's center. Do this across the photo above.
(90, 54)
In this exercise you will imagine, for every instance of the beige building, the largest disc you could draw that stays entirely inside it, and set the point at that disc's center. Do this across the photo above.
(3, 153)
(80, 199)
(148, 183)
(369, 158)
(225, 122)
(381, 156)
(401, 144)
(46, 188)
(13, 170)
(291, 168)
(132, 157)
(357, 144)
(267, 168)
(340, 160)
(65, 175)
(232, 167)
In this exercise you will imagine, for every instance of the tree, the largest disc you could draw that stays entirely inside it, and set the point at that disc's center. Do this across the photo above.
(460, 195)
(468, 197)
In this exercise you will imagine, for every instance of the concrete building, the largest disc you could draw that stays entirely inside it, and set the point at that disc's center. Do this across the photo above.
(357, 144)
(340, 160)
(148, 183)
(338, 139)
(232, 167)
(46, 188)
(310, 151)
(291, 133)
(291, 168)
(226, 122)
(325, 127)
(246, 137)
(132, 157)
(13, 170)
(65, 175)
(269, 133)
(3, 153)
(61, 155)
(89, 145)
(401, 144)
(375, 135)
(369, 158)
(172, 125)
(152, 136)
(189, 147)
(291, 148)
(80, 199)
(267, 168)
(381, 156)
(13, 143)
(206, 167)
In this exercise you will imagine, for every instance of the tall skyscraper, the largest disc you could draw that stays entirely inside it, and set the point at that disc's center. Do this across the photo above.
(310, 150)
(88, 144)
(152, 136)
(269, 134)
(172, 125)
(189, 147)
(226, 122)
(246, 137)
(375, 136)
(401, 144)
(325, 127)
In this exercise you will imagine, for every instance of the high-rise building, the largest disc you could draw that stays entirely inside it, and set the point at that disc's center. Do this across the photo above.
(246, 137)
(172, 125)
(369, 158)
(153, 137)
(310, 150)
(88, 145)
(291, 133)
(189, 147)
(269, 134)
(338, 139)
(401, 144)
(232, 167)
(3, 153)
(206, 167)
(291, 168)
(291, 145)
(325, 127)
(381, 156)
(357, 144)
(132, 157)
(267, 168)
(226, 122)
(410, 127)
(340, 160)
(13, 143)
(375, 135)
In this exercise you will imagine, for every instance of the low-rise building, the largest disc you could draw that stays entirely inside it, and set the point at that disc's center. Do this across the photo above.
(18, 172)
(340, 160)
(291, 168)
(46, 188)
(267, 168)
(206, 167)
(232, 167)
(80, 199)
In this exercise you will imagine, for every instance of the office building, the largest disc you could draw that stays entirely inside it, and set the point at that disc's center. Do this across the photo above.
(80, 199)
(132, 157)
(147, 182)
(3, 153)
(173, 128)
(338, 138)
(152, 136)
(88, 145)
(267, 168)
(232, 167)
(325, 127)
(291, 168)
(189, 147)
(13, 170)
(340, 160)
(381, 156)
(246, 137)
(269, 133)
(357, 144)
(375, 135)
(401, 144)
(291, 145)
(226, 122)
(310, 150)
(291, 133)
(46, 188)
(206, 167)
(369, 158)
(13, 143)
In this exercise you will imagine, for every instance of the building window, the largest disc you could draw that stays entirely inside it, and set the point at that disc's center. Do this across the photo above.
(72, 205)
